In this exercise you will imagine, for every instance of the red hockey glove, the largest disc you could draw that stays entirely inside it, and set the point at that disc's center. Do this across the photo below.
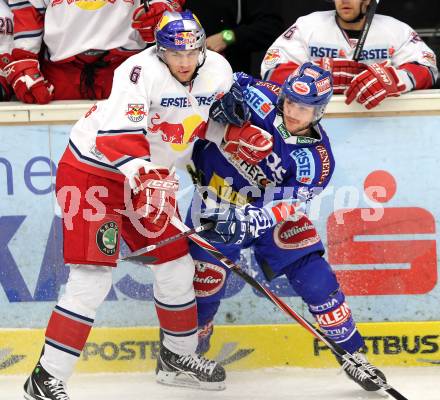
(27, 81)
(5, 89)
(248, 142)
(343, 71)
(376, 83)
(155, 196)
(145, 20)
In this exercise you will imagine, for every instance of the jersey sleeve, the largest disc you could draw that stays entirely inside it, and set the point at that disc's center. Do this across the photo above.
(121, 136)
(285, 54)
(6, 40)
(243, 79)
(28, 27)
(215, 131)
(415, 58)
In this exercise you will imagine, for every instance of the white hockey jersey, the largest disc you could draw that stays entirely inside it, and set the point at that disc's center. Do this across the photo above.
(317, 35)
(150, 119)
(6, 33)
(72, 27)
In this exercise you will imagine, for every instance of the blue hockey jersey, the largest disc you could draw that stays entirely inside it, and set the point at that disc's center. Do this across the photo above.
(298, 167)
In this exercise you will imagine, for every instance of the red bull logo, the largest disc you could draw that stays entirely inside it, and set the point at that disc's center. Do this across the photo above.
(272, 56)
(430, 57)
(177, 133)
(135, 112)
(185, 39)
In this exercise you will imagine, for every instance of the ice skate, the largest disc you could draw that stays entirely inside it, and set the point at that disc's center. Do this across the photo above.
(189, 371)
(356, 375)
(43, 386)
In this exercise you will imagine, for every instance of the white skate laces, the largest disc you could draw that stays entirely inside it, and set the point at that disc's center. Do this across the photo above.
(57, 388)
(197, 362)
(359, 373)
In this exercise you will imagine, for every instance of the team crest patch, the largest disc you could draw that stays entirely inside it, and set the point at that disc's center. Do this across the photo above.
(291, 235)
(135, 112)
(430, 57)
(107, 238)
(272, 57)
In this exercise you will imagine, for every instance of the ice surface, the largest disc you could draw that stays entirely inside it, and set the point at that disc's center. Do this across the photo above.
(267, 384)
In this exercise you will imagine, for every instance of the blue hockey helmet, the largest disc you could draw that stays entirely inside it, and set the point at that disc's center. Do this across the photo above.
(180, 31)
(308, 85)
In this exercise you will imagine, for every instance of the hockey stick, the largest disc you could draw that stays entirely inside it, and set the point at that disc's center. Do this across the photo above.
(334, 347)
(368, 19)
(137, 256)
(279, 213)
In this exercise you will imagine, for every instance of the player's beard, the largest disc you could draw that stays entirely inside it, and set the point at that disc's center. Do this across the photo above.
(301, 130)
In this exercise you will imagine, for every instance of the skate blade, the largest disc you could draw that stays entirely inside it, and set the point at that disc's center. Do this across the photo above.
(188, 381)
(382, 393)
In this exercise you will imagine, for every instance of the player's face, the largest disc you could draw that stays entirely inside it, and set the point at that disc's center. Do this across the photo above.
(349, 10)
(297, 117)
(182, 64)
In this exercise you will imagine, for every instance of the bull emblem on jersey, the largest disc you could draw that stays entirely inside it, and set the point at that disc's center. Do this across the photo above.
(182, 133)
(135, 112)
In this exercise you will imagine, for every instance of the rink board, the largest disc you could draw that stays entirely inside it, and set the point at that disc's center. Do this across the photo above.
(388, 268)
(237, 347)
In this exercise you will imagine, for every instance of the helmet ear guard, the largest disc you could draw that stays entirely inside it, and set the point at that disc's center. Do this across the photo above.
(180, 31)
(309, 85)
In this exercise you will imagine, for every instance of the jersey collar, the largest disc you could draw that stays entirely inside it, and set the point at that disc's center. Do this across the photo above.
(293, 139)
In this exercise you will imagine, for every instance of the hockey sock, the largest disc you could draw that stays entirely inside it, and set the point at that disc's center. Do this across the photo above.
(66, 335)
(176, 304)
(179, 326)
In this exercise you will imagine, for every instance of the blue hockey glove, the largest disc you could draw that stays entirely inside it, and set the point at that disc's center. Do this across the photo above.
(231, 108)
(235, 225)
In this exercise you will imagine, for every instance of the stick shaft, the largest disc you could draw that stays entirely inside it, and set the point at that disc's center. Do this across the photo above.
(368, 19)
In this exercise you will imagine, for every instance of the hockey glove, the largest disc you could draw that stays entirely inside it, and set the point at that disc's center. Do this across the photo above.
(249, 143)
(373, 85)
(5, 89)
(155, 196)
(231, 108)
(145, 19)
(236, 225)
(27, 81)
(343, 72)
